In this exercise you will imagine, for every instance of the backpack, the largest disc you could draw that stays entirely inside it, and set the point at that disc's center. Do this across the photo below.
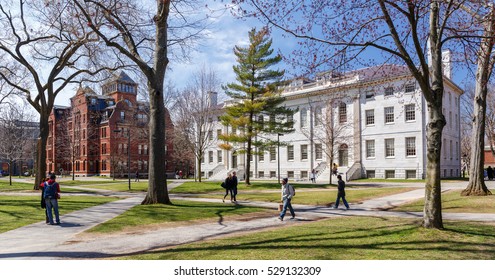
(50, 190)
(294, 189)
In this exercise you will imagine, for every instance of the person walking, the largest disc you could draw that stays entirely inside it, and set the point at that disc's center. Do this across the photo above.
(52, 194)
(340, 193)
(312, 176)
(43, 203)
(287, 193)
(234, 185)
(228, 188)
(137, 177)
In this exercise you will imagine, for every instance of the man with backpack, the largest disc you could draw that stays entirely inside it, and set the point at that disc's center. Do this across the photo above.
(51, 194)
(287, 193)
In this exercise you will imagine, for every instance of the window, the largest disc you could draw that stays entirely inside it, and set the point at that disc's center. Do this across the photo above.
(290, 152)
(120, 149)
(370, 117)
(219, 156)
(451, 149)
(145, 149)
(273, 174)
(219, 132)
(389, 114)
(318, 116)
(234, 130)
(342, 113)
(370, 174)
(410, 87)
(304, 152)
(261, 174)
(290, 119)
(122, 116)
(389, 91)
(103, 132)
(389, 148)
(370, 94)
(126, 149)
(261, 156)
(261, 121)
(140, 149)
(290, 174)
(410, 112)
(370, 148)
(318, 151)
(450, 119)
(210, 156)
(304, 174)
(410, 174)
(273, 154)
(304, 118)
(410, 146)
(210, 135)
(104, 148)
(389, 174)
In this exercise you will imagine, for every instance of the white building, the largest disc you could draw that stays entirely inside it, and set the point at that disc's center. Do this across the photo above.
(379, 119)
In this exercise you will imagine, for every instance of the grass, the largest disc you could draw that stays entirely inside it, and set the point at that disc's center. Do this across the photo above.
(120, 186)
(453, 202)
(16, 186)
(18, 211)
(314, 197)
(180, 211)
(349, 238)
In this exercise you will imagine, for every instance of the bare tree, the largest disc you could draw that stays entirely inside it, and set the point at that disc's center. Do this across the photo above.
(147, 39)
(483, 15)
(193, 113)
(332, 126)
(45, 48)
(338, 31)
(14, 135)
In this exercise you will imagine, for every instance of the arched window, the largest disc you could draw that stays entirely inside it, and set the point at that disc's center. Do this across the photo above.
(343, 155)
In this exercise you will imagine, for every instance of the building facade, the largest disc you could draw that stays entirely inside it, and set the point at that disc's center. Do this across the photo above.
(105, 134)
(370, 122)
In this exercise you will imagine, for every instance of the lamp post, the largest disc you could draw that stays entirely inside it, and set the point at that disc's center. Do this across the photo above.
(128, 155)
(278, 155)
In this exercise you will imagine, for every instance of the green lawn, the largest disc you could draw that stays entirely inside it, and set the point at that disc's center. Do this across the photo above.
(349, 238)
(314, 196)
(453, 202)
(120, 186)
(16, 186)
(208, 187)
(18, 211)
(180, 211)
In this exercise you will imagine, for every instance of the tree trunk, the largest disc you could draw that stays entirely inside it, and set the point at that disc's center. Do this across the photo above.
(157, 183)
(432, 214)
(41, 150)
(476, 185)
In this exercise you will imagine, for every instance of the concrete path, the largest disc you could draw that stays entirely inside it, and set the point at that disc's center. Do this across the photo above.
(29, 242)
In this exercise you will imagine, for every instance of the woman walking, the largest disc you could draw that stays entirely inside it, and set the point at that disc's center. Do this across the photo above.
(229, 188)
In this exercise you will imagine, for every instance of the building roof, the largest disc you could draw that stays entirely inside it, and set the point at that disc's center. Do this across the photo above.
(122, 77)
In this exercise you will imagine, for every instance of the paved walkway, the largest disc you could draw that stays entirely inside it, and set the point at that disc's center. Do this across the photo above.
(29, 242)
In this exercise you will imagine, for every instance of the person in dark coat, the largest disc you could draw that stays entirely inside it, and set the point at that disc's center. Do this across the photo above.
(234, 185)
(340, 193)
(489, 173)
(229, 188)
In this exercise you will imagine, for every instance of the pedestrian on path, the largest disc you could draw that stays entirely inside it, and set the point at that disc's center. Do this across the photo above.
(312, 176)
(340, 193)
(334, 169)
(137, 177)
(43, 203)
(234, 185)
(228, 188)
(287, 193)
(51, 195)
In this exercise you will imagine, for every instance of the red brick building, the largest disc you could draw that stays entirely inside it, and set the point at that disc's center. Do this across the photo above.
(103, 134)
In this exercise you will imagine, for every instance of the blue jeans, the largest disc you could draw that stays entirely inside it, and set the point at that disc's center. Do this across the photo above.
(287, 204)
(52, 203)
(343, 200)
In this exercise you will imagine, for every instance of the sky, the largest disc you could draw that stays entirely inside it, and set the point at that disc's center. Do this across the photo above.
(215, 51)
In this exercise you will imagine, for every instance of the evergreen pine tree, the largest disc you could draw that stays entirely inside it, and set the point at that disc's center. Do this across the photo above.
(256, 111)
